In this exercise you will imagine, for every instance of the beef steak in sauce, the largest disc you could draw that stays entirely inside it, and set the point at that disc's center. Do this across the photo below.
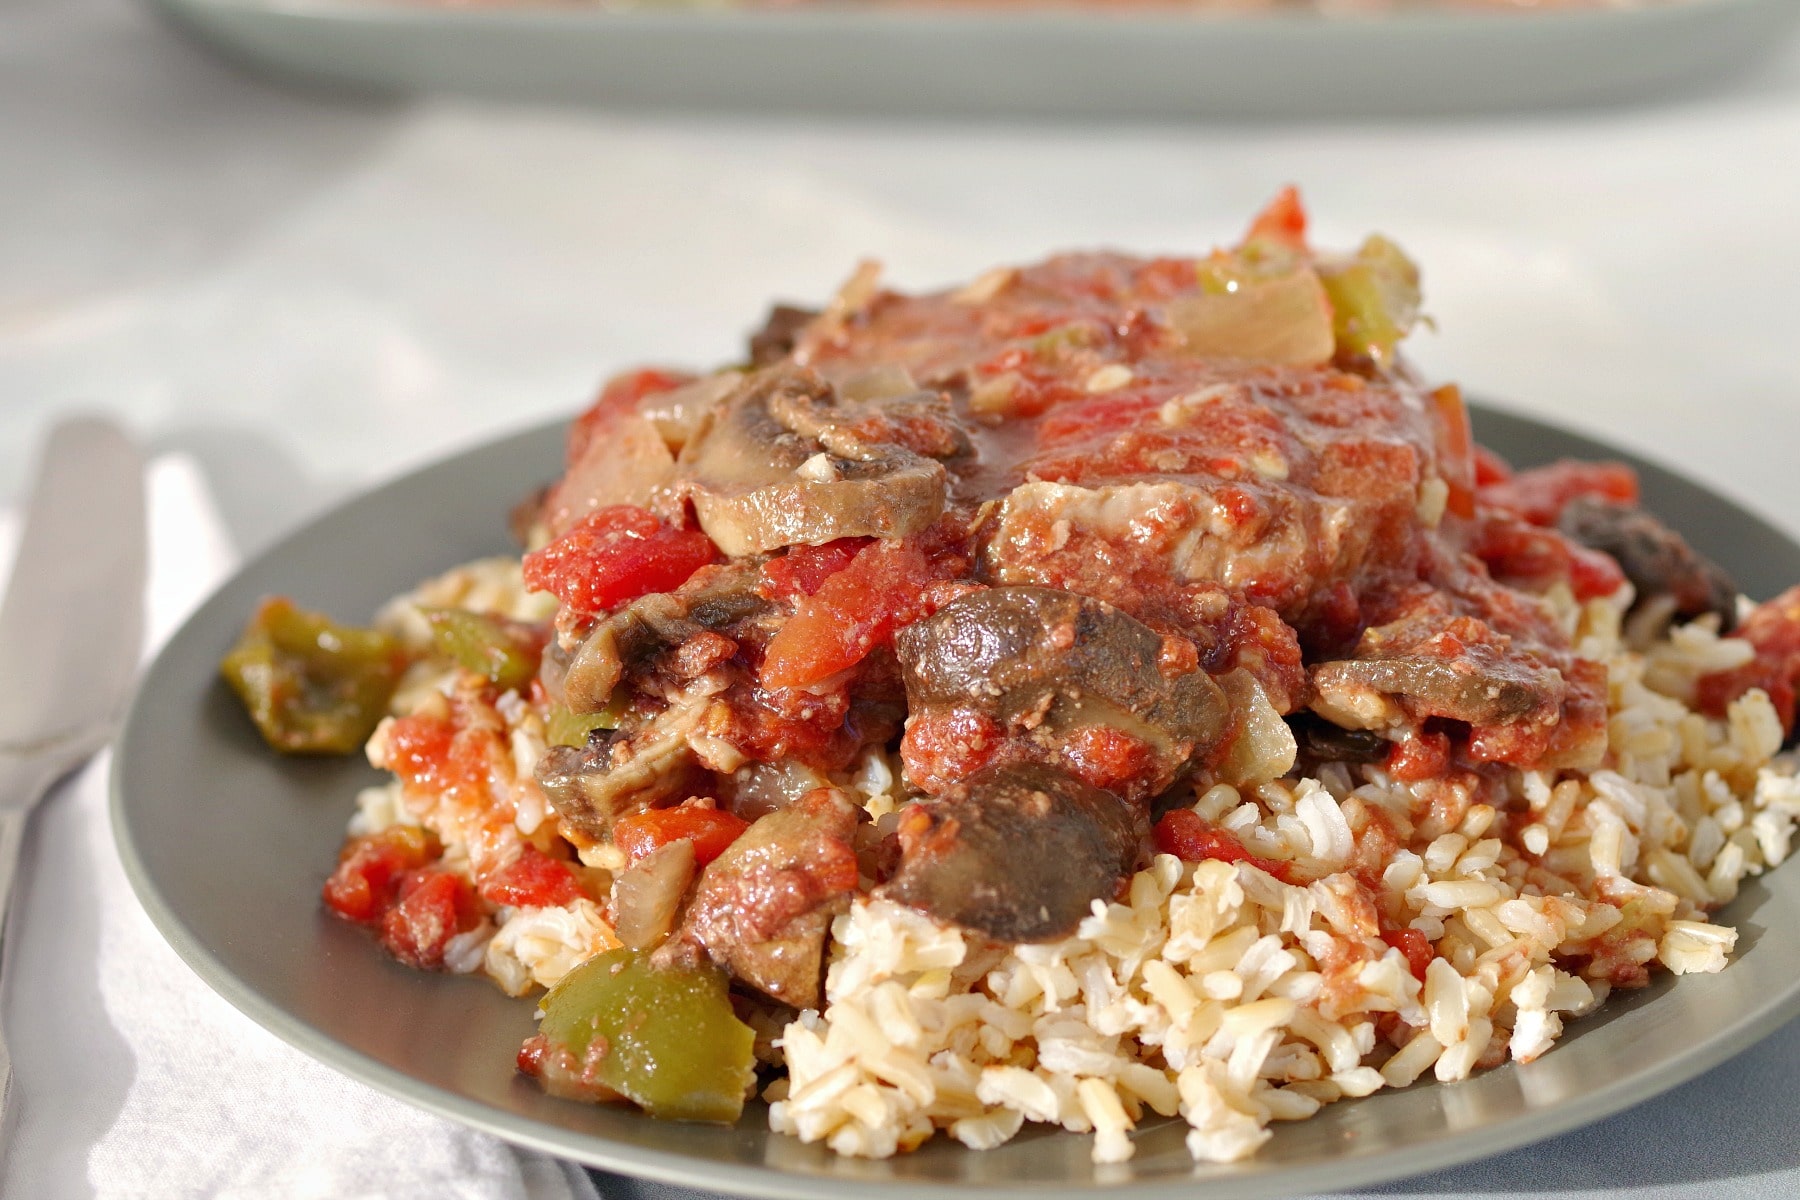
(1051, 511)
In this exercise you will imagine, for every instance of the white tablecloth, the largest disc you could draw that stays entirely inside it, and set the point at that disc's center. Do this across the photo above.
(301, 294)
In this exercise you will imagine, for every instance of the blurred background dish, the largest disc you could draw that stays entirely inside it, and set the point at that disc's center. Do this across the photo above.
(1197, 58)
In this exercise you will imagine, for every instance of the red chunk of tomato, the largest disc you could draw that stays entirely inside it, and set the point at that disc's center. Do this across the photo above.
(431, 754)
(1414, 945)
(1108, 758)
(1456, 451)
(434, 906)
(1422, 754)
(1774, 629)
(802, 570)
(614, 555)
(710, 829)
(1283, 221)
(1490, 467)
(1532, 557)
(370, 868)
(854, 611)
(532, 880)
(620, 395)
(1540, 494)
(1188, 836)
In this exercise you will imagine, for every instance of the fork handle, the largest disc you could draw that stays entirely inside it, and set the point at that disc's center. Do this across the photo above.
(21, 783)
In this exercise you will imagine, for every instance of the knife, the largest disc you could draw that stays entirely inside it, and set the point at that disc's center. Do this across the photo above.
(70, 630)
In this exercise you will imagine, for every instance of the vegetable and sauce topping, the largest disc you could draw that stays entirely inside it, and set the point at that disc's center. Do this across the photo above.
(1061, 545)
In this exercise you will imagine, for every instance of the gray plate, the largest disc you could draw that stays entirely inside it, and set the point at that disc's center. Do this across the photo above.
(227, 846)
(1080, 58)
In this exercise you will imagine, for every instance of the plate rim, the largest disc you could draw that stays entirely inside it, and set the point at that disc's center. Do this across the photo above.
(1443, 1150)
(1064, 14)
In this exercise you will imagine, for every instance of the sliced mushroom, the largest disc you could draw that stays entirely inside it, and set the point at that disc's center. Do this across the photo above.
(876, 408)
(1656, 559)
(1044, 664)
(1322, 741)
(1018, 853)
(715, 599)
(762, 909)
(758, 485)
(1489, 690)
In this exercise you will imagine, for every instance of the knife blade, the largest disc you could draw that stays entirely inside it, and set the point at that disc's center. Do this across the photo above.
(73, 618)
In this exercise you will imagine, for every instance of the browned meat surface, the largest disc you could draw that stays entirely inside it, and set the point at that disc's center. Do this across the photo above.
(1012, 673)
(1654, 557)
(776, 339)
(1103, 434)
(592, 786)
(762, 909)
(1018, 853)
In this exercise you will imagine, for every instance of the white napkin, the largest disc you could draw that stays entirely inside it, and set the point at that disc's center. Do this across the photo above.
(132, 1078)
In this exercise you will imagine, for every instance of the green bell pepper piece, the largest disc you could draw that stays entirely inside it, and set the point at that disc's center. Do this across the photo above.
(664, 1037)
(312, 686)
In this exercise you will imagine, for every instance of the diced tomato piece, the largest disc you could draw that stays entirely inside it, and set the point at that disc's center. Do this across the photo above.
(621, 394)
(1108, 758)
(1283, 221)
(370, 868)
(1490, 467)
(1533, 557)
(418, 747)
(614, 555)
(1422, 754)
(941, 747)
(853, 612)
(530, 1060)
(1774, 629)
(1456, 450)
(802, 569)
(532, 880)
(1540, 494)
(710, 829)
(434, 906)
(431, 754)
(1188, 836)
(1414, 945)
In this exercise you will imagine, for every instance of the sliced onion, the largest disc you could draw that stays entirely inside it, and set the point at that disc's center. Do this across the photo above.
(647, 895)
(1264, 748)
(1285, 320)
(678, 414)
(883, 382)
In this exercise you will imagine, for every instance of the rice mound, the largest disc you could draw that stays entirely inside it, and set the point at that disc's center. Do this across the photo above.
(1218, 992)
(1214, 990)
